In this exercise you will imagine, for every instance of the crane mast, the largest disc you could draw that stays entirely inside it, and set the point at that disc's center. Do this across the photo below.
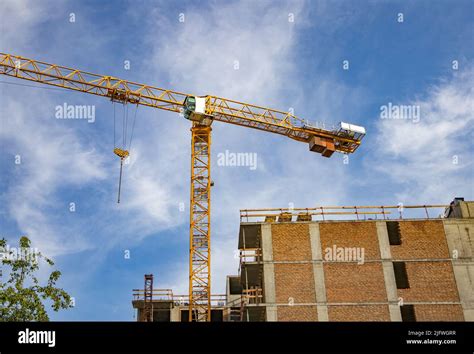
(200, 224)
(202, 111)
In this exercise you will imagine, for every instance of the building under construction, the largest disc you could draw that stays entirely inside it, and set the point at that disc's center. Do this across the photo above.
(391, 263)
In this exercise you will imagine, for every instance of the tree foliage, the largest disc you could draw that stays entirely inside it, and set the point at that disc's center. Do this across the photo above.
(22, 297)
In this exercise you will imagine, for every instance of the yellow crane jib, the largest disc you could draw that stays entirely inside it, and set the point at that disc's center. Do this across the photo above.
(122, 96)
(202, 111)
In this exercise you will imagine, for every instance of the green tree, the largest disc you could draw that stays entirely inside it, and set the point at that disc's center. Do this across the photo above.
(22, 297)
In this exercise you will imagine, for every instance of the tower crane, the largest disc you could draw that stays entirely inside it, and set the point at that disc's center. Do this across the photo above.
(201, 111)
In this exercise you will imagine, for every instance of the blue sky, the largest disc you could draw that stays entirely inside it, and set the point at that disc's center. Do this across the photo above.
(282, 65)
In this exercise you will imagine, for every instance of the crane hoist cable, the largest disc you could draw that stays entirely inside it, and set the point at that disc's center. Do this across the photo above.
(133, 128)
(122, 151)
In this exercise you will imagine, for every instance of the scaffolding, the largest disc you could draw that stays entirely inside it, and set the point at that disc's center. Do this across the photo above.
(252, 294)
(148, 295)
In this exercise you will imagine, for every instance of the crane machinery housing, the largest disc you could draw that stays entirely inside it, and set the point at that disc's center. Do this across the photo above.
(202, 111)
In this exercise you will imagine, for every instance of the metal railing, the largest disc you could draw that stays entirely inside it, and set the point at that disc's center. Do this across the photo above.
(180, 300)
(157, 294)
(383, 212)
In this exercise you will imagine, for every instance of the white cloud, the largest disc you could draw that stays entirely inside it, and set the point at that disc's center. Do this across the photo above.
(19, 19)
(51, 156)
(423, 155)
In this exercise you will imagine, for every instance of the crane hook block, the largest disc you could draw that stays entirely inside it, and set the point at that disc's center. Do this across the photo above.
(121, 153)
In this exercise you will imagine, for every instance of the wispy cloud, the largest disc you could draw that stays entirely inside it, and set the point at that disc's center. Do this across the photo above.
(50, 156)
(434, 156)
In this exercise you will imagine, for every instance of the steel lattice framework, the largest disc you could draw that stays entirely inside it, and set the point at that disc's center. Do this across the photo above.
(220, 109)
(216, 109)
(200, 225)
(148, 303)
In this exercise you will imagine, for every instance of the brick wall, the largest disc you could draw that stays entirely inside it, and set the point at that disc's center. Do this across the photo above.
(359, 313)
(349, 282)
(352, 282)
(430, 281)
(291, 242)
(294, 281)
(350, 234)
(421, 239)
(439, 313)
(297, 313)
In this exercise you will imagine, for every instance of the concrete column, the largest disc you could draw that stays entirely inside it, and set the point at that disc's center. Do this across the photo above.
(384, 244)
(388, 273)
(268, 273)
(318, 272)
(175, 315)
(459, 236)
